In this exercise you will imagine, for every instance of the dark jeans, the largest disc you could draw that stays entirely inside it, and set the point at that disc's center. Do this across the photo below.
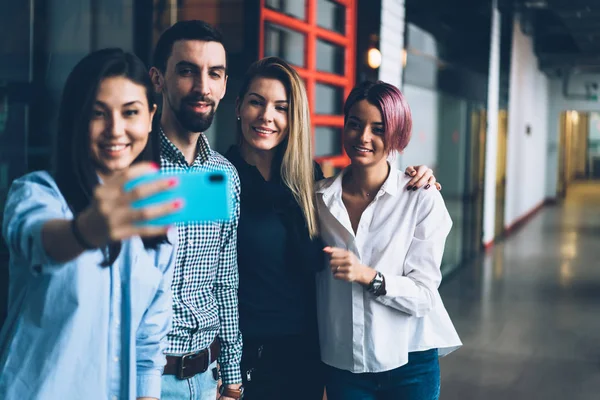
(417, 380)
(282, 368)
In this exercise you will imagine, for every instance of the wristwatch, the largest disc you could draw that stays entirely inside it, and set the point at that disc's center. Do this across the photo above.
(377, 285)
(233, 393)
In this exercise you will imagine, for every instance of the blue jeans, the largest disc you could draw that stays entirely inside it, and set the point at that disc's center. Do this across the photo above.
(199, 387)
(417, 380)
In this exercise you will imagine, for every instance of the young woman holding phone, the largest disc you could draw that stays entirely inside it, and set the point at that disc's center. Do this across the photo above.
(89, 288)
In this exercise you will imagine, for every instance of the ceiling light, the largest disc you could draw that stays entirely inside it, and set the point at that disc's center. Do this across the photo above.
(374, 58)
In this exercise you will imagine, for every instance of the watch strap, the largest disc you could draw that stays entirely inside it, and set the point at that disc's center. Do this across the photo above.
(230, 392)
(382, 291)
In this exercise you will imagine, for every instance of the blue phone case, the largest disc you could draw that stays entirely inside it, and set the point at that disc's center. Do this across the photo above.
(206, 196)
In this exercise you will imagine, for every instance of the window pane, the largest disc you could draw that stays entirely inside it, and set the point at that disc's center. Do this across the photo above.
(330, 58)
(294, 8)
(328, 141)
(284, 43)
(332, 16)
(329, 99)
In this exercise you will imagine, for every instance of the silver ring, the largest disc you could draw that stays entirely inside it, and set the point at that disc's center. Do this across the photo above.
(337, 268)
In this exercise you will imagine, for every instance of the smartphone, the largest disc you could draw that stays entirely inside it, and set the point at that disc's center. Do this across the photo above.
(206, 196)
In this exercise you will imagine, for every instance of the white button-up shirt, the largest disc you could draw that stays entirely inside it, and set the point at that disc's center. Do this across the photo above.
(401, 234)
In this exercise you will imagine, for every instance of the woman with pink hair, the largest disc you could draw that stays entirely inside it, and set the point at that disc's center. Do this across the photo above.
(382, 323)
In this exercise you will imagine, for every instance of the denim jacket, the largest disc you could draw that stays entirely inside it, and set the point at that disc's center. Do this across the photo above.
(78, 329)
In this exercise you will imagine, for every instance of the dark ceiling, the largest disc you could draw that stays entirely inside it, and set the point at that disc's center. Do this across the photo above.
(566, 32)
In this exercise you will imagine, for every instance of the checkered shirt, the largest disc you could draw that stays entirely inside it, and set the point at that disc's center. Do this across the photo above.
(205, 280)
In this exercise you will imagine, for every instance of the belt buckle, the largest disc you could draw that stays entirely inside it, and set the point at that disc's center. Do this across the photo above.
(189, 356)
(180, 372)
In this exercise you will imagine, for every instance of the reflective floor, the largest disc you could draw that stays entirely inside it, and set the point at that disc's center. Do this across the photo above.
(529, 312)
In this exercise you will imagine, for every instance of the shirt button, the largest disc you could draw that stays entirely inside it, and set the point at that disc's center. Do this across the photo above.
(116, 359)
(115, 398)
(190, 242)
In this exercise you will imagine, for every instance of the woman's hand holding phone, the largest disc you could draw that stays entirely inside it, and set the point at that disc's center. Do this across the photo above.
(111, 216)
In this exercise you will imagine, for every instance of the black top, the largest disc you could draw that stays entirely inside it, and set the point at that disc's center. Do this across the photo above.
(277, 260)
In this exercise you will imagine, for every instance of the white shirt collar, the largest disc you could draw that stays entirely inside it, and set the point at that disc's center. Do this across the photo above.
(333, 188)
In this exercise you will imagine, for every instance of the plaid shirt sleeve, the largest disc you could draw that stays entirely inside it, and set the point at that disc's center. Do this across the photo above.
(226, 289)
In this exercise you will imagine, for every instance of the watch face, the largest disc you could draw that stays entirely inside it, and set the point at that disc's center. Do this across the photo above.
(377, 284)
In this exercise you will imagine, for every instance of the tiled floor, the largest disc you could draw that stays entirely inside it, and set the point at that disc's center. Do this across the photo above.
(529, 312)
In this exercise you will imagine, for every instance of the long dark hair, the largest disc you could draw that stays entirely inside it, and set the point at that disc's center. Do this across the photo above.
(75, 173)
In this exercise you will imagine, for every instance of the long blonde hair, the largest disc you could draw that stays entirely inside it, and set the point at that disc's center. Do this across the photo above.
(297, 171)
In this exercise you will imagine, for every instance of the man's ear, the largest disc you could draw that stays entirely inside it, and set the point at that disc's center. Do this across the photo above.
(157, 79)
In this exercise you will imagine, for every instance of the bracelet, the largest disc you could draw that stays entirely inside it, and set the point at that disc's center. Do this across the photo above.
(79, 237)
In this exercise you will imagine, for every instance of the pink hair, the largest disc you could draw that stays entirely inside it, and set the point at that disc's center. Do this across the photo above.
(397, 119)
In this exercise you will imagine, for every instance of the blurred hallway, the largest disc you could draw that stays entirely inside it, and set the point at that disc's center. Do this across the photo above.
(529, 312)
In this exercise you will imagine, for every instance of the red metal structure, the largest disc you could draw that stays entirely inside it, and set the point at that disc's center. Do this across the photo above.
(313, 33)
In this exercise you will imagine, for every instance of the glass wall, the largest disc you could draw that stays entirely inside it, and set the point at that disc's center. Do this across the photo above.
(449, 136)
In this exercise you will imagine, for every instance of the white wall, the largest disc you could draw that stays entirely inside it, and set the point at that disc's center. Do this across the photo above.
(526, 154)
(557, 104)
(491, 146)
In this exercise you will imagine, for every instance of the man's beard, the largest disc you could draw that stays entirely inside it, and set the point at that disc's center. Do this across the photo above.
(191, 120)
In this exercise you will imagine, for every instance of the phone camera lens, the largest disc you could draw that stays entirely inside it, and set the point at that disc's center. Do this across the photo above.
(216, 178)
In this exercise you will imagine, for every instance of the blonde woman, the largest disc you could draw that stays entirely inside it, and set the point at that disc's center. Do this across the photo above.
(279, 250)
